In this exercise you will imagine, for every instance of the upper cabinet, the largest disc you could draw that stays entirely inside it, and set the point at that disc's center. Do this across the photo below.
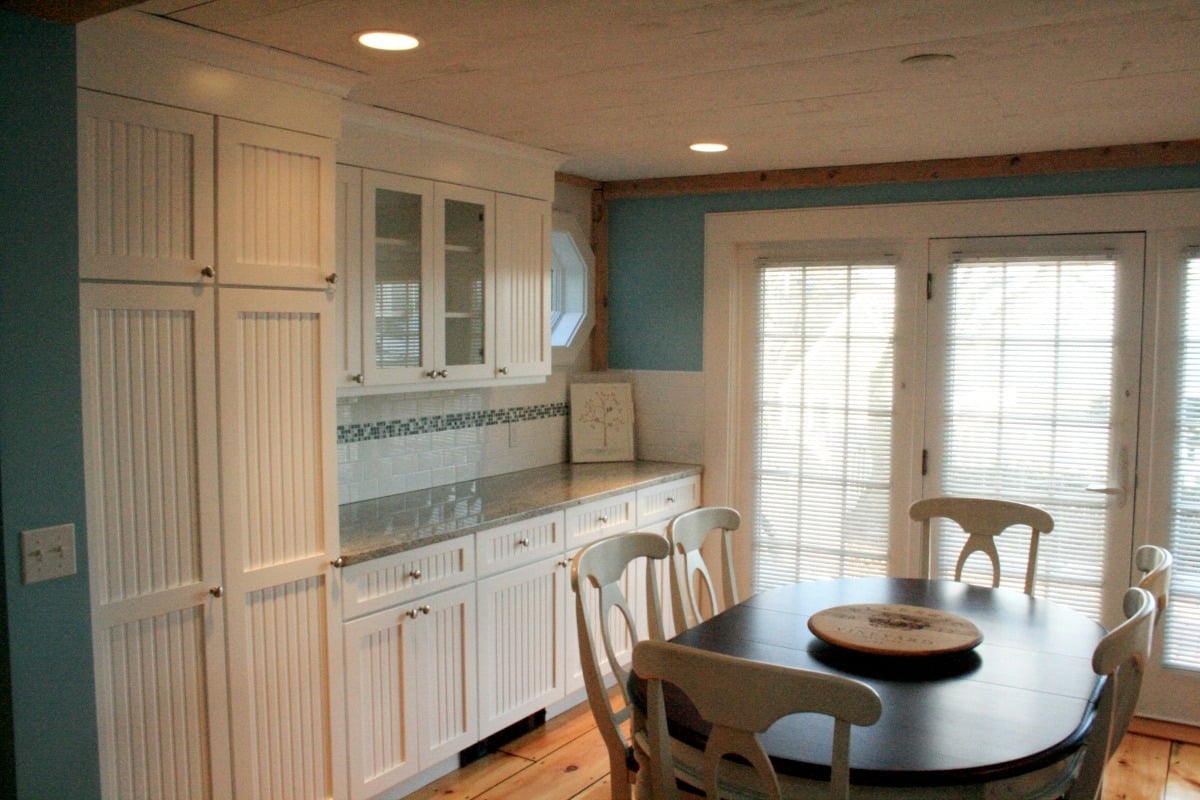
(443, 256)
(275, 197)
(149, 194)
(445, 285)
(145, 191)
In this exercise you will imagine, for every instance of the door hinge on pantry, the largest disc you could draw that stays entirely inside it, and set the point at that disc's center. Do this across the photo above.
(928, 285)
(924, 462)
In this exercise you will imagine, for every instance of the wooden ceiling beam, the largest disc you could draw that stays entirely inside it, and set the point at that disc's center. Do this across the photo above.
(1051, 162)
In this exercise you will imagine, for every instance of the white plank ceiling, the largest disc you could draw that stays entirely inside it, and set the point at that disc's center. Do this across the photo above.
(621, 88)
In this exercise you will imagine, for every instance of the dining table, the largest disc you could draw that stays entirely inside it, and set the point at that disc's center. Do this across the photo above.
(999, 706)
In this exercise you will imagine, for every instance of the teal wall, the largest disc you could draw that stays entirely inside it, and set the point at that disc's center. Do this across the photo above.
(49, 728)
(656, 249)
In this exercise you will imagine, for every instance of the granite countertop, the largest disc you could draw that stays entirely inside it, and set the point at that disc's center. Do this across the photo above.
(392, 524)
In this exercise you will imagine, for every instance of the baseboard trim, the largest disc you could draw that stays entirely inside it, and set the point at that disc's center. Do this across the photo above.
(1162, 729)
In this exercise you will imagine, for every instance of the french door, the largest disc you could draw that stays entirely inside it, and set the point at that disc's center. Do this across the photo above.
(1032, 376)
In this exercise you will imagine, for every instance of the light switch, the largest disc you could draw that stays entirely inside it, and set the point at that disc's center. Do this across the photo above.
(48, 553)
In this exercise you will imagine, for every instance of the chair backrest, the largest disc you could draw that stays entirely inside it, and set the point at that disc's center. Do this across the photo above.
(1121, 656)
(983, 519)
(692, 589)
(741, 699)
(602, 566)
(1154, 563)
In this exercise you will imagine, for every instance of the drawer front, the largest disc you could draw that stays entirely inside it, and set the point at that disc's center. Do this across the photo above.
(518, 543)
(372, 585)
(600, 518)
(665, 500)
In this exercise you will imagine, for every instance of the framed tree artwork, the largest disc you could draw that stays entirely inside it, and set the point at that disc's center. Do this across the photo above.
(601, 422)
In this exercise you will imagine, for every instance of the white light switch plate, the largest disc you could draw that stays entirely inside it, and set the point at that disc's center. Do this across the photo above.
(48, 553)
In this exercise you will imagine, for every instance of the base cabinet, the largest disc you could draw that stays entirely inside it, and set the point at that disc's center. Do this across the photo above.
(522, 633)
(410, 688)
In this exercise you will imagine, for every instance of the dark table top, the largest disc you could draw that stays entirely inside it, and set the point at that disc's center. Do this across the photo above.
(1017, 702)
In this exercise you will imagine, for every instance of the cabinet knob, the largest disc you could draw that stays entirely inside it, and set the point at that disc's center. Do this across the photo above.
(217, 591)
(523, 542)
(331, 279)
(670, 500)
(565, 562)
(425, 609)
(360, 379)
(208, 272)
(411, 613)
(602, 519)
(503, 370)
(415, 574)
(338, 562)
(441, 373)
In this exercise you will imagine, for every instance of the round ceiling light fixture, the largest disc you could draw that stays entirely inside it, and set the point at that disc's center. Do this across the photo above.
(387, 40)
(709, 147)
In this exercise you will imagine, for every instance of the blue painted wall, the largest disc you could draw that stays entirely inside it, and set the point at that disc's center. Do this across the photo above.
(656, 249)
(48, 730)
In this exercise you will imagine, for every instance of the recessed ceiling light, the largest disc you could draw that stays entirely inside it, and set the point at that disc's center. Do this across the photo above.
(387, 40)
(709, 147)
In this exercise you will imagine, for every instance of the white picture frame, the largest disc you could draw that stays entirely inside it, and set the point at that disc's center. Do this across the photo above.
(601, 422)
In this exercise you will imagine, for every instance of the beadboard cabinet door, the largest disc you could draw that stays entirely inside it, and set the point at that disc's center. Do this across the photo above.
(153, 538)
(523, 286)
(521, 641)
(410, 688)
(145, 191)
(275, 207)
(279, 516)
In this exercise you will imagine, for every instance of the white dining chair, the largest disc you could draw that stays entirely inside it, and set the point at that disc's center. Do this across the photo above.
(602, 625)
(741, 699)
(982, 519)
(693, 593)
(1121, 657)
(1155, 563)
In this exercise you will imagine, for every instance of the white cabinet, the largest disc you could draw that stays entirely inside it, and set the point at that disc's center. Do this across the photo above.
(149, 194)
(145, 190)
(523, 285)
(446, 297)
(210, 463)
(410, 663)
(521, 642)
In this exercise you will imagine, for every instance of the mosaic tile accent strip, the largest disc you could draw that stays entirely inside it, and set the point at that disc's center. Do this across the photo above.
(372, 431)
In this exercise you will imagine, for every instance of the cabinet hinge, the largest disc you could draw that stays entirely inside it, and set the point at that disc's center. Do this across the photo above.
(924, 462)
(928, 285)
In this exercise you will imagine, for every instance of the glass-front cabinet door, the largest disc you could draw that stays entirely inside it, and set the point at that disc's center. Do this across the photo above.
(465, 301)
(398, 276)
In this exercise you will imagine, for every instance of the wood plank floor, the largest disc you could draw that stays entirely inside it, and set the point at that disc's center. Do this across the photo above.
(565, 760)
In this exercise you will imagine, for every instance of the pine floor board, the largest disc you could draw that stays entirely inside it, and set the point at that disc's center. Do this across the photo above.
(1183, 780)
(1138, 771)
(565, 760)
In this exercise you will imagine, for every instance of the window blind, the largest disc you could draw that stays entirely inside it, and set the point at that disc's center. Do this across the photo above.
(1026, 411)
(1181, 646)
(823, 411)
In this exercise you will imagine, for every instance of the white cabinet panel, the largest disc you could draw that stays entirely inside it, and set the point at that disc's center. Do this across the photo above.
(521, 636)
(154, 548)
(275, 208)
(410, 683)
(663, 501)
(522, 286)
(279, 520)
(145, 190)
(598, 519)
(508, 546)
(382, 582)
(349, 287)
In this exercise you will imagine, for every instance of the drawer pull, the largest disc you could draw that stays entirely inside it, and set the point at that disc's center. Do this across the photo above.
(338, 562)
(566, 562)
(412, 613)
(415, 574)
(217, 591)
(523, 541)
(425, 609)
(602, 519)
(670, 500)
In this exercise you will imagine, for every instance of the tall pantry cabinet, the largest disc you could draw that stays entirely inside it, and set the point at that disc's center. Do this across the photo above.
(207, 335)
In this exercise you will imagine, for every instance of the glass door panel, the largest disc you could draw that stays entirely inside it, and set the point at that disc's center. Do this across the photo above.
(465, 302)
(397, 272)
(1032, 396)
